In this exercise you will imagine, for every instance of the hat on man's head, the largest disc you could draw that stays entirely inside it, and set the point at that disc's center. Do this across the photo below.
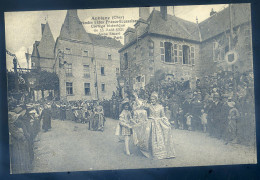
(126, 100)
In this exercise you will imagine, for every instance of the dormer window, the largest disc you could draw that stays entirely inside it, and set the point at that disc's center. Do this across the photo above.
(109, 56)
(85, 53)
(67, 51)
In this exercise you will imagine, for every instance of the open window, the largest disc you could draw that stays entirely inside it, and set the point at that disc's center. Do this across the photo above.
(186, 54)
(167, 52)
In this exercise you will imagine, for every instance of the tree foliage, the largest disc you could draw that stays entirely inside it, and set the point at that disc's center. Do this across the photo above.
(47, 81)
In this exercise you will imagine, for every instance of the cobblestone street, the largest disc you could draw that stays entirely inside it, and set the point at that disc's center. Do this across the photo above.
(70, 146)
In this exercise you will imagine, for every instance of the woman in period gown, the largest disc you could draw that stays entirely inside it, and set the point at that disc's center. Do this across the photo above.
(98, 119)
(153, 136)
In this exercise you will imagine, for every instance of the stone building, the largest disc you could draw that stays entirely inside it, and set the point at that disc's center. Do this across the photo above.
(87, 64)
(42, 57)
(181, 49)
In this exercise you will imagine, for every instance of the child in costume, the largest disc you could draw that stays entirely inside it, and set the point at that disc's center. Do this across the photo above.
(125, 120)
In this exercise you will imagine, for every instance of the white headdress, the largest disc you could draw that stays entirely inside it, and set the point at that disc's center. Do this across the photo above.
(154, 94)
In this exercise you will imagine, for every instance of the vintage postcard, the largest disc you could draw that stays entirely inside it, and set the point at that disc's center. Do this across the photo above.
(130, 88)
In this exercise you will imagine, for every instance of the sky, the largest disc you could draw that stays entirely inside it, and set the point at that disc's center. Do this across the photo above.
(23, 28)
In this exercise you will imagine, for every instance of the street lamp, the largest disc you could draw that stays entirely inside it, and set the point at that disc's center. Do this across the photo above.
(121, 82)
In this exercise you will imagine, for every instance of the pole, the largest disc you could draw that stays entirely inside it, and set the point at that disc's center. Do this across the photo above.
(96, 78)
(231, 28)
(15, 75)
(96, 83)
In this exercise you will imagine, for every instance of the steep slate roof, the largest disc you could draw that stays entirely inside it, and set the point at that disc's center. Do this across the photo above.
(173, 27)
(219, 22)
(47, 43)
(104, 41)
(35, 52)
(73, 29)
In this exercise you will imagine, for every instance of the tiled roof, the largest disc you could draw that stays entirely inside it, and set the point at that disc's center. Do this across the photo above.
(179, 28)
(47, 43)
(173, 27)
(104, 41)
(220, 22)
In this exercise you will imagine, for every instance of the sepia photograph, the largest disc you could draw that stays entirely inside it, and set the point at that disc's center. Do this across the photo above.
(130, 88)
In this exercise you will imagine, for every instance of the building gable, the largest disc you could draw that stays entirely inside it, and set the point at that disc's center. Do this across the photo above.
(46, 45)
(73, 29)
(220, 22)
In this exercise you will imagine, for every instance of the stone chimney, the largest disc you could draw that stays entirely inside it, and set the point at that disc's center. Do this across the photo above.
(129, 35)
(212, 12)
(163, 10)
(144, 12)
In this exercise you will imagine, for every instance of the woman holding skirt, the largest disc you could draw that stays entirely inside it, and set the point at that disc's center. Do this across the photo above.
(153, 137)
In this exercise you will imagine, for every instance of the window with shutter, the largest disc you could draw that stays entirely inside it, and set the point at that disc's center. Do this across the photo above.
(192, 55)
(175, 52)
(186, 54)
(162, 51)
(180, 53)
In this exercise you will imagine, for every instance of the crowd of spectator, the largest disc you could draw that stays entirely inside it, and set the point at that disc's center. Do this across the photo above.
(221, 105)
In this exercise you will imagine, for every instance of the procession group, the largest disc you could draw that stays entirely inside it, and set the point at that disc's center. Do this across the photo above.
(220, 105)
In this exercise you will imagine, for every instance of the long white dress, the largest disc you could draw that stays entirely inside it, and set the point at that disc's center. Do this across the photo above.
(153, 137)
